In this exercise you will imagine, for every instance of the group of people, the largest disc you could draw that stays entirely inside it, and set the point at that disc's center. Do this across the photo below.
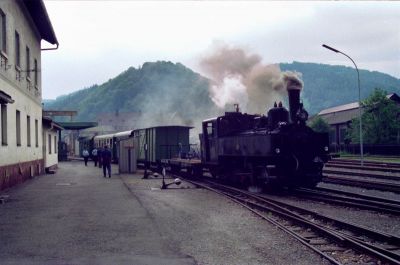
(102, 156)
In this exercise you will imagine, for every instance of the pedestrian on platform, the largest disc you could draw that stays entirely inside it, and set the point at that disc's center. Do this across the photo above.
(99, 156)
(85, 154)
(94, 156)
(106, 160)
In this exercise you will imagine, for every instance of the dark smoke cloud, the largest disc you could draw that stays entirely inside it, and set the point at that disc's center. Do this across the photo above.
(226, 61)
(240, 77)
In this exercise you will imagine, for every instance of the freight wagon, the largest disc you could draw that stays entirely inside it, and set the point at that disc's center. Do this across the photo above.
(161, 142)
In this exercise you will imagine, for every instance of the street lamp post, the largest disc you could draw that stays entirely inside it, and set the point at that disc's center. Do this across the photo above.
(359, 100)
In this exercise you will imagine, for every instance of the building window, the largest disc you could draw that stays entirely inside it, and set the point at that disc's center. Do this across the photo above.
(55, 144)
(18, 127)
(3, 32)
(3, 124)
(28, 130)
(28, 63)
(36, 133)
(17, 50)
(49, 143)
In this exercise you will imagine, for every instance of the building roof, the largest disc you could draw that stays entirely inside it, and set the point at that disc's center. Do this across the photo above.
(77, 125)
(340, 116)
(394, 97)
(354, 105)
(39, 15)
(349, 106)
(5, 98)
(345, 113)
(49, 121)
(168, 126)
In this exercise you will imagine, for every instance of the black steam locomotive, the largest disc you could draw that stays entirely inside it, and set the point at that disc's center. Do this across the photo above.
(277, 149)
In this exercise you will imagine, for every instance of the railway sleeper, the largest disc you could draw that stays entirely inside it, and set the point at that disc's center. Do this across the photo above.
(319, 241)
(309, 235)
(331, 248)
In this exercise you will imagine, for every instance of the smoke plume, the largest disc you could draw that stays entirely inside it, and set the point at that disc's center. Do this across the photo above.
(241, 77)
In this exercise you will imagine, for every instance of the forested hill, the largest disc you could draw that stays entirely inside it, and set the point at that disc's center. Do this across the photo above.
(166, 93)
(327, 85)
(163, 93)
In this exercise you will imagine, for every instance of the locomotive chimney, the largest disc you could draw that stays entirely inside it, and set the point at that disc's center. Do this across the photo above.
(293, 86)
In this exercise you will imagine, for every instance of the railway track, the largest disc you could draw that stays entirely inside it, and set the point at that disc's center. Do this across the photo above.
(369, 184)
(366, 174)
(373, 175)
(349, 199)
(366, 163)
(359, 167)
(337, 241)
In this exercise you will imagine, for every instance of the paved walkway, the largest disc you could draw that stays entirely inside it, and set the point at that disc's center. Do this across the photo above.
(78, 217)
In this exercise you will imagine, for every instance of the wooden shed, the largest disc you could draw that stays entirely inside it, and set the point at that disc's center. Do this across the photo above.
(127, 156)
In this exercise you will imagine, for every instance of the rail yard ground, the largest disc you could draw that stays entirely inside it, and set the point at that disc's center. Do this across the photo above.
(78, 217)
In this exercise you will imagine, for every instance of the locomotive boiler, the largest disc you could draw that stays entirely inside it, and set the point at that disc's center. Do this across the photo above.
(274, 149)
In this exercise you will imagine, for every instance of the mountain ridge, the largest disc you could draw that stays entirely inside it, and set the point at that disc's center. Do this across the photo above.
(166, 92)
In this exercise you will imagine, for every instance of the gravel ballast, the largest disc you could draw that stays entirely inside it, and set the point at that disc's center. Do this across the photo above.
(215, 230)
(379, 221)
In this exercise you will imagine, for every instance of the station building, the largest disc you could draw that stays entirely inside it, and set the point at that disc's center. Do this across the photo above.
(23, 25)
(339, 119)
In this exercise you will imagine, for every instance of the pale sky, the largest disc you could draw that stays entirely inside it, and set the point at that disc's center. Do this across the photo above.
(100, 39)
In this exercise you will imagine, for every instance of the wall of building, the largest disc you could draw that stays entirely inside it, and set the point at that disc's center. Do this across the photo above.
(50, 151)
(17, 19)
(19, 161)
(13, 153)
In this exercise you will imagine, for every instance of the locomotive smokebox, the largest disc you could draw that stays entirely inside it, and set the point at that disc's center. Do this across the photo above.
(293, 86)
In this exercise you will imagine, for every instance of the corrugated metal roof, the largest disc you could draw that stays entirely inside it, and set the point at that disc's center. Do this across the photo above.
(345, 113)
(349, 106)
(353, 105)
(341, 116)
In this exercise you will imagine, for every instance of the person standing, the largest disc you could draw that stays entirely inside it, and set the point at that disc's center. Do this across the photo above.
(85, 154)
(99, 156)
(106, 160)
(94, 156)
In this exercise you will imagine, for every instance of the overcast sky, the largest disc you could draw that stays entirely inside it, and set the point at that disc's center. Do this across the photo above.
(100, 39)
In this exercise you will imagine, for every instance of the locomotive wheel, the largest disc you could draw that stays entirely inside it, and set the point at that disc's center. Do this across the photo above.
(310, 184)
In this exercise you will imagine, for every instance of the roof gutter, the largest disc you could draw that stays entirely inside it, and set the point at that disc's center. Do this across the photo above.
(49, 49)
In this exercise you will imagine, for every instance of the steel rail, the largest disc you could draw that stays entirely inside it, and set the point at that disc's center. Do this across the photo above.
(366, 163)
(361, 174)
(378, 185)
(332, 234)
(345, 200)
(356, 166)
(357, 195)
(297, 236)
(365, 246)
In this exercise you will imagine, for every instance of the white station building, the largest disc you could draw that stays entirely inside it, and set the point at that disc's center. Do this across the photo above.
(23, 26)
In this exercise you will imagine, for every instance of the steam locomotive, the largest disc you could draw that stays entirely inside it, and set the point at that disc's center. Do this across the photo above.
(273, 149)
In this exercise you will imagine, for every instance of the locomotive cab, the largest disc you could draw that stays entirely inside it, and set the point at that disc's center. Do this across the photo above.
(208, 140)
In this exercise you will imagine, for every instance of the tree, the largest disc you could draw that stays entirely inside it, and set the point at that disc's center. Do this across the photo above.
(380, 120)
(320, 125)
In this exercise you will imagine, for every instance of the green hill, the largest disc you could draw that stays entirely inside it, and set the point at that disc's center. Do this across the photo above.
(167, 93)
(327, 85)
(162, 92)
